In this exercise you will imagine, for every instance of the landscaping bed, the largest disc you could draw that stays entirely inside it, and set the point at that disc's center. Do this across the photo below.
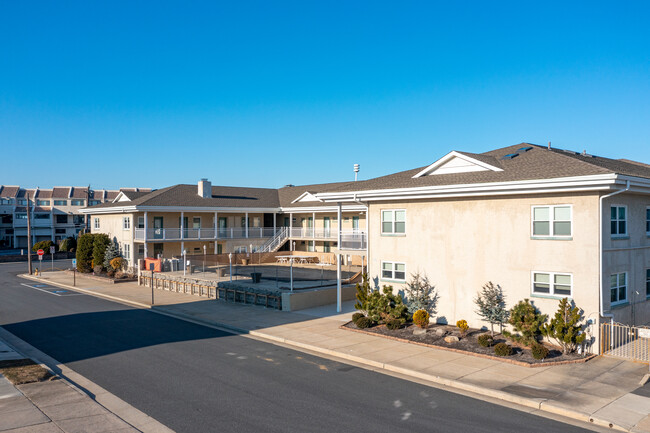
(435, 337)
(104, 277)
(22, 371)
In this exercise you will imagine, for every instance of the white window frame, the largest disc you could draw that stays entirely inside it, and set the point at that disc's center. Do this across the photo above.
(617, 287)
(140, 224)
(126, 223)
(626, 220)
(96, 223)
(193, 221)
(551, 221)
(393, 212)
(392, 278)
(127, 251)
(552, 284)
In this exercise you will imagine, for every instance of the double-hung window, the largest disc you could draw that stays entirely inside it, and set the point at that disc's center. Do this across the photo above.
(127, 251)
(647, 221)
(618, 288)
(96, 223)
(393, 221)
(647, 283)
(552, 284)
(140, 222)
(393, 271)
(552, 221)
(619, 221)
(126, 223)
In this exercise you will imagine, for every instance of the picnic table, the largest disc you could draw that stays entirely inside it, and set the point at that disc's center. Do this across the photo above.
(293, 257)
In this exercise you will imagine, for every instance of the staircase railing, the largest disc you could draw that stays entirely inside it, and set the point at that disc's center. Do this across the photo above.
(276, 241)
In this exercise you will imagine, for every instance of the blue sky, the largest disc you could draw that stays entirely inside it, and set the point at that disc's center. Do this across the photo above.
(269, 93)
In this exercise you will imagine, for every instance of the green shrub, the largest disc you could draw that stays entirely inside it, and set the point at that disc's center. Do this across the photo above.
(68, 244)
(85, 252)
(491, 305)
(485, 340)
(393, 324)
(502, 349)
(527, 321)
(380, 306)
(565, 328)
(364, 322)
(42, 245)
(539, 351)
(420, 294)
(421, 318)
(357, 316)
(112, 251)
(99, 248)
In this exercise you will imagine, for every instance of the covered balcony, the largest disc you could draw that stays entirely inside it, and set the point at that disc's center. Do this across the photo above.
(177, 234)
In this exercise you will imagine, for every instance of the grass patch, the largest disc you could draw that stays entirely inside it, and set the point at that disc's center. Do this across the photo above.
(21, 371)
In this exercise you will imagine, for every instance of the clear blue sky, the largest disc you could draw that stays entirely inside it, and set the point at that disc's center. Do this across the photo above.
(269, 93)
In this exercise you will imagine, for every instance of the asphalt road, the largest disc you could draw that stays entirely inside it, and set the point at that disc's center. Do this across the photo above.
(197, 379)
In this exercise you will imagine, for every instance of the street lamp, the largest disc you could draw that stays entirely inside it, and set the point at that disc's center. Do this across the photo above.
(184, 261)
(230, 260)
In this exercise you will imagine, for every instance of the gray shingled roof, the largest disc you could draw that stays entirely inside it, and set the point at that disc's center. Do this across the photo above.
(537, 163)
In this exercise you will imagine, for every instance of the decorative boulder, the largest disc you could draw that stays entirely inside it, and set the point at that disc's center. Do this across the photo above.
(440, 332)
(419, 331)
(451, 339)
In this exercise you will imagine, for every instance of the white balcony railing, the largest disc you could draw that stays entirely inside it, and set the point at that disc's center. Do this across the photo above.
(353, 240)
(174, 234)
(312, 233)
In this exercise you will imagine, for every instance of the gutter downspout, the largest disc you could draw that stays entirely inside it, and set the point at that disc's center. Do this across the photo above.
(600, 251)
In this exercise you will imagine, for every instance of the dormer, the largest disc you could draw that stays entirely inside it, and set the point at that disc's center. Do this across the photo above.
(457, 162)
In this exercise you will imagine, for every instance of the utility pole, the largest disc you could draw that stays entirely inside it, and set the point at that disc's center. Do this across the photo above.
(29, 238)
(87, 204)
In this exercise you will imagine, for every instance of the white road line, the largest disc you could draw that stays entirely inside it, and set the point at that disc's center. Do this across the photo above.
(51, 293)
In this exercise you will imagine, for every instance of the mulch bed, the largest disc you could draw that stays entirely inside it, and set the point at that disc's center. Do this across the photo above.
(22, 371)
(103, 277)
(469, 344)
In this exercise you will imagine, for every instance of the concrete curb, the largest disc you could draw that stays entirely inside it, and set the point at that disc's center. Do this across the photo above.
(129, 414)
(537, 404)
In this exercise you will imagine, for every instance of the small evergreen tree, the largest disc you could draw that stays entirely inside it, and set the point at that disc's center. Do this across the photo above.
(363, 292)
(100, 243)
(421, 295)
(491, 305)
(112, 251)
(527, 321)
(564, 327)
(85, 252)
(68, 244)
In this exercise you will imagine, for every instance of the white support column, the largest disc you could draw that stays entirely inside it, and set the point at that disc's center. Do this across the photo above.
(182, 226)
(338, 259)
(313, 230)
(216, 231)
(290, 231)
(246, 223)
(274, 223)
(146, 233)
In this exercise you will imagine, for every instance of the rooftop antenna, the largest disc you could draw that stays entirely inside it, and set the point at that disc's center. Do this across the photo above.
(356, 171)
(549, 145)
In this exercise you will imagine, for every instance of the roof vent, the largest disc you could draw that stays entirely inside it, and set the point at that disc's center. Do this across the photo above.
(289, 185)
(205, 188)
(510, 156)
(524, 149)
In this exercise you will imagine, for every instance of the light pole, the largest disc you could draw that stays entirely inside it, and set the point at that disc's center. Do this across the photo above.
(184, 261)
(291, 273)
(204, 252)
(230, 260)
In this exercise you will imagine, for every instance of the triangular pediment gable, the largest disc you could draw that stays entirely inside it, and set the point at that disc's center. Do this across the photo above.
(306, 197)
(121, 197)
(456, 162)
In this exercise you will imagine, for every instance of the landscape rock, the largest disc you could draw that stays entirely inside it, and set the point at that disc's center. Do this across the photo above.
(440, 332)
(419, 331)
(451, 339)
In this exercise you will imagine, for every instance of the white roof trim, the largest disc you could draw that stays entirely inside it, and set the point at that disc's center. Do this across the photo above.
(121, 197)
(306, 197)
(471, 164)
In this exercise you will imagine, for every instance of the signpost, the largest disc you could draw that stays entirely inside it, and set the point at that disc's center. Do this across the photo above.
(74, 272)
(52, 250)
(40, 261)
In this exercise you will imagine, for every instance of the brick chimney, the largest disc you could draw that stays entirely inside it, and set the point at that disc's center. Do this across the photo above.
(205, 188)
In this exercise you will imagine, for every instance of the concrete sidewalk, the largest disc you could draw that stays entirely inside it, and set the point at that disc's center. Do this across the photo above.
(603, 391)
(51, 406)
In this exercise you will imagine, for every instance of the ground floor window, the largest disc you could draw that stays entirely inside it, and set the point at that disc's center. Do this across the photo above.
(241, 249)
(618, 288)
(326, 247)
(158, 249)
(140, 250)
(393, 271)
(127, 251)
(553, 284)
(311, 247)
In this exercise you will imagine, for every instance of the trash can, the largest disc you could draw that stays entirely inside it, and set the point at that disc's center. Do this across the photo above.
(244, 262)
(256, 277)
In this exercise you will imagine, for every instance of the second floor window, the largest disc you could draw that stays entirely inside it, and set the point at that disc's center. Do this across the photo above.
(618, 288)
(60, 202)
(62, 219)
(126, 223)
(78, 219)
(96, 223)
(140, 222)
(77, 202)
(393, 221)
(619, 220)
(42, 202)
(552, 221)
(41, 216)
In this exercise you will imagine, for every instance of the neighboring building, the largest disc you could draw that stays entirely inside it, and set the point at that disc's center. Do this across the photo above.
(54, 212)
(535, 220)
(227, 219)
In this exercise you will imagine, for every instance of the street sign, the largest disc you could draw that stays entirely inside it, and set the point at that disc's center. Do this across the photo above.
(52, 249)
(74, 262)
(644, 333)
(40, 252)
(40, 257)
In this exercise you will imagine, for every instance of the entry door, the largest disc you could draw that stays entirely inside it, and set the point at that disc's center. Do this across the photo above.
(158, 227)
(310, 226)
(223, 225)
(184, 226)
(326, 227)
(219, 249)
(355, 223)
(286, 221)
(158, 250)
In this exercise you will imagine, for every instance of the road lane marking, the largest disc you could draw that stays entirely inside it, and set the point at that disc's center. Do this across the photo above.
(58, 292)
